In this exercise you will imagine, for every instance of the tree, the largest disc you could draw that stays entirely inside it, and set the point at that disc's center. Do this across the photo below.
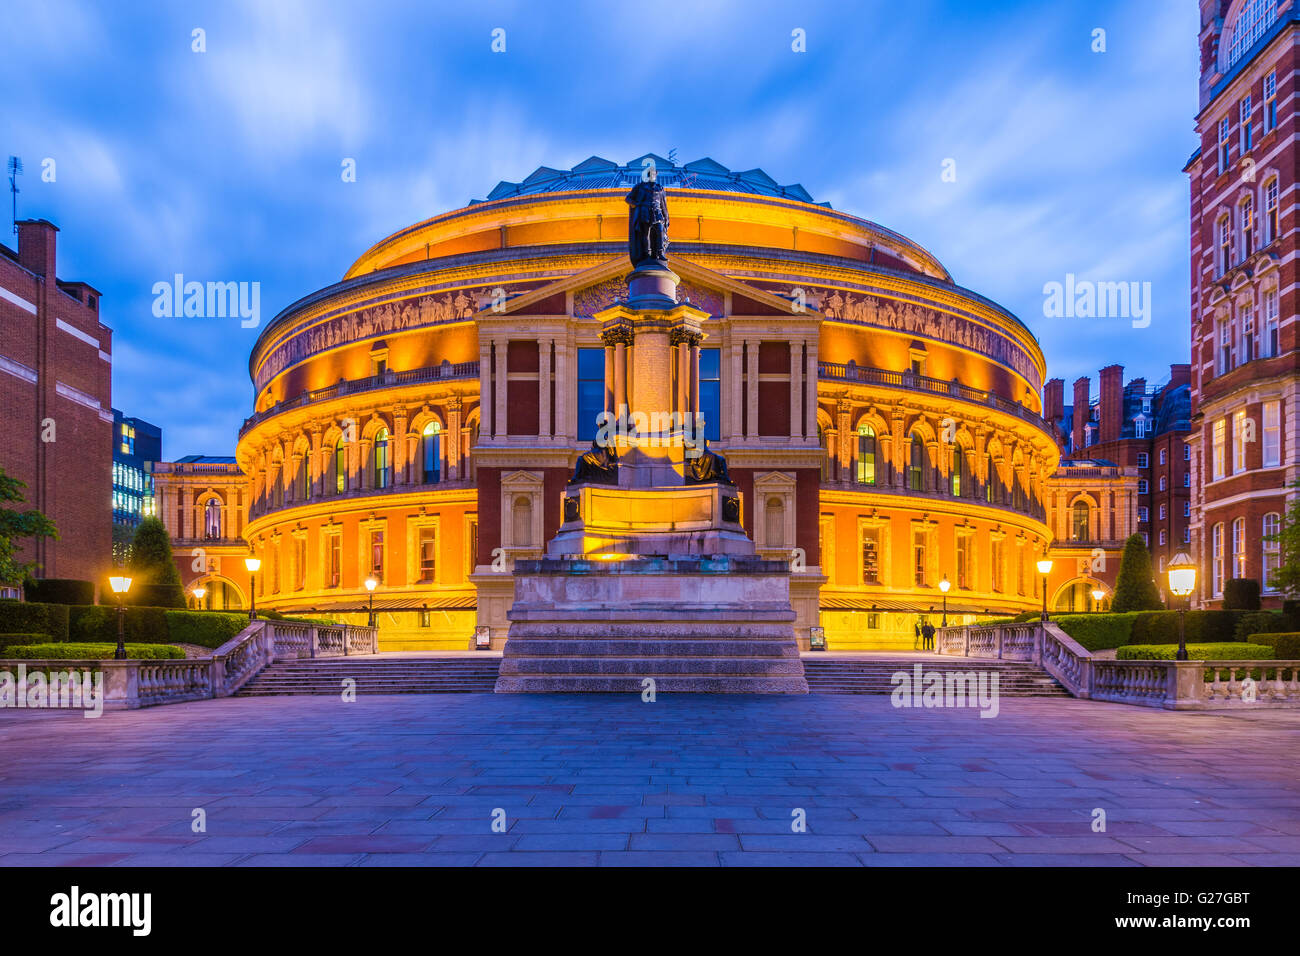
(16, 525)
(1287, 576)
(1135, 587)
(157, 581)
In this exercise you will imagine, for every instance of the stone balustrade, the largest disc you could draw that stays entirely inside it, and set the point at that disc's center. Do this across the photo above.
(131, 684)
(1171, 685)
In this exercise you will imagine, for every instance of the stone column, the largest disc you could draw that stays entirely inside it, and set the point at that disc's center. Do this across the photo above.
(399, 446)
(485, 380)
(564, 392)
(452, 438)
(544, 424)
(500, 428)
(732, 407)
(609, 374)
(751, 399)
(695, 343)
(810, 387)
(681, 371)
(796, 389)
(844, 428)
(317, 462)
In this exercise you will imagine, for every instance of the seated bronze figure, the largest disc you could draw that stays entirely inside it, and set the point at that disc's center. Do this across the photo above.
(598, 467)
(708, 467)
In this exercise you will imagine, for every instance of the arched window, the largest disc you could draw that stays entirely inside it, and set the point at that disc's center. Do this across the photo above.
(1216, 560)
(775, 523)
(382, 475)
(277, 486)
(1079, 526)
(1247, 211)
(958, 466)
(1239, 548)
(431, 454)
(521, 514)
(866, 454)
(991, 473)
(1272, 549)
(212, 519)
(916, 467)
(1251, 23)
(304, 477)
(340, 467)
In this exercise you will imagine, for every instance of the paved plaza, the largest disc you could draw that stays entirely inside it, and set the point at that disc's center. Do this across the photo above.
(610, 780)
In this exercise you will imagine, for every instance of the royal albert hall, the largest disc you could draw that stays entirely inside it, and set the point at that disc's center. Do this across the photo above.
(416, 422)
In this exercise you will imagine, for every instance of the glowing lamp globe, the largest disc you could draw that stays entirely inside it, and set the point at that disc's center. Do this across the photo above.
(1182, 575)
(252, 564)
(944, 585)
(1045, 566)
(120, 585)
(371, 584)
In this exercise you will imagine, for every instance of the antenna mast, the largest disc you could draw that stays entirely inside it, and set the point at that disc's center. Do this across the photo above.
(15, 169)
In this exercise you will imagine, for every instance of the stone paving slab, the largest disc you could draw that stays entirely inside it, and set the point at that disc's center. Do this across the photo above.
(586, 780)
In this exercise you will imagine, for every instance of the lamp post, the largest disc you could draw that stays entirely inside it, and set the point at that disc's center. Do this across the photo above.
(198, 597)
(1044, 568)
(1097, 595)
(371, 584)
(252, 564)
(120, 586)
(944, 585)
(1182, 582)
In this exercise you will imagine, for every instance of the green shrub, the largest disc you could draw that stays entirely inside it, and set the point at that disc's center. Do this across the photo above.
(1135, 585)
(1097, 632)
(1232, 650)
(1287, 647)
(1203, 627)
(29, 617)
(98, 622)
(1241, 594)
(60, 591)
(1259, 622)
(68, 651)
(205, 628)
(14, 640)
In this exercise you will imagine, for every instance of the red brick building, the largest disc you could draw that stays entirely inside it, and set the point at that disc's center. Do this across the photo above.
(1243, 258)
(56, 404)
(1142, 430)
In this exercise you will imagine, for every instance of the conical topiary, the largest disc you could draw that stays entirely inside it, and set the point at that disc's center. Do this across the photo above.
(1135, 587)
(157, 582)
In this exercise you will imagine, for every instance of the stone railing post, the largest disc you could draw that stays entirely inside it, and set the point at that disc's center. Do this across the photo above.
(121, 684)
(218, 676)
(315, 641)
(1185, 685)
(347, 640)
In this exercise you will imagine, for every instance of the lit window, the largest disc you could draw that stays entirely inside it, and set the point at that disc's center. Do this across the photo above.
(340, 468)
(957, 459)
(1216, 560)
(428, 555)
(1272, 548)
(431, 438)
(1239, 441)
(1270, 210)
(1080, 522)
(382, 472)
(1219, 443)
(916, 469)
(377, 555)
(1272, 451)
(866, 454)
(1239, 548)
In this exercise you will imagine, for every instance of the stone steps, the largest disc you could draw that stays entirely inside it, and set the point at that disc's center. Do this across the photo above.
(640, 648)
(398, 675)
(1015, 678)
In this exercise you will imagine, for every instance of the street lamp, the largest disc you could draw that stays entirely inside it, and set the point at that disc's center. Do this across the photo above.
(198, 597)
(371, 584)
(120, 586)
(1044, 568)
(944, 585)
(252, 564)
(1097, 594)
(1182, 582)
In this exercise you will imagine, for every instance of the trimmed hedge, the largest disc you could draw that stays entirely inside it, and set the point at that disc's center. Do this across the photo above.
(1203, 627)
(1260, 622)
(1286, 646)
(1230, 651)
(1241, 594)
(67, 651)
(15, 640)
(97, 623)
(28, 617)
(205, 628)
(1098, 632)
(60, 591)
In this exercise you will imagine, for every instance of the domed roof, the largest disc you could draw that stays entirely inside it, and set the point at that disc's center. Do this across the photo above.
(598, 173)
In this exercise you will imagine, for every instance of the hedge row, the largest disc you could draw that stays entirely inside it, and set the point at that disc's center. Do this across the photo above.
(24, 617)
(1099, 632)
(60, 591)
(1286, 647)
(1229, 651)
(14, 640)
(68, 651)
(97, 623)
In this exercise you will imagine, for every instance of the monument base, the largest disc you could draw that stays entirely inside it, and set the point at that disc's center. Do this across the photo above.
(620, 624)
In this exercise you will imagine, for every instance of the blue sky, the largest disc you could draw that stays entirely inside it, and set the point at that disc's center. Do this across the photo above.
(224, 165)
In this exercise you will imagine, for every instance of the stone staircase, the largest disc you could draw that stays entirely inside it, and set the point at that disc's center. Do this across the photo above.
(841, 675)
(683, 656)
(373, 675)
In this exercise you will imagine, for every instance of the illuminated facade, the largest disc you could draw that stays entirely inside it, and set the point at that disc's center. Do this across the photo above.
(417, 422)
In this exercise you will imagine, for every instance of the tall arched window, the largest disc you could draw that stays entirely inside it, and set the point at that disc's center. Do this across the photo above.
(1216, 560)
(431, 453)
(521, 514)
(991, 474)
(1272, 549)
(1239, 548)
(381, 468)
(775, 523)
(916, 467)
(958, 467)
(866, 454)
(1252, 21)
(1079, 526)
(304, 477)
(212, 519)
(340, 467)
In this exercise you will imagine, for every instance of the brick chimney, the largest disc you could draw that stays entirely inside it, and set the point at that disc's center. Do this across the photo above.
(1082, 392)
(36, 246)
(1179, 375)
(1111, 408)
(1054, 399)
